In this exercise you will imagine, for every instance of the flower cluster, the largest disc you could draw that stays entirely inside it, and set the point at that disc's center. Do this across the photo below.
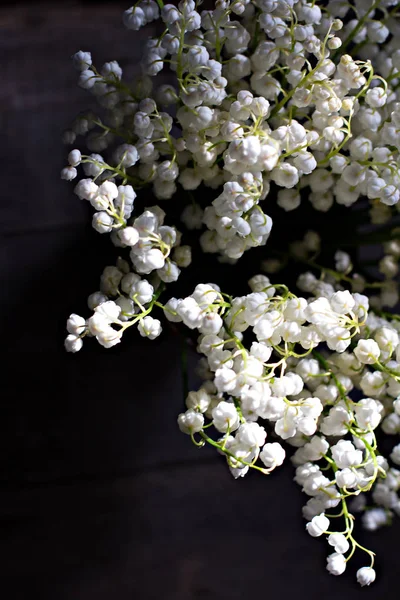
(263, 105)
(330, 131)
(280, 381)
(150, 243)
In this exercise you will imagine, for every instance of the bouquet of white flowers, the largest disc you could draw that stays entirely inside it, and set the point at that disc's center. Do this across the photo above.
(287, 104)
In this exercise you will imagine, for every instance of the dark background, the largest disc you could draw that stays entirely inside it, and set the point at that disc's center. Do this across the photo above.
(101, 496)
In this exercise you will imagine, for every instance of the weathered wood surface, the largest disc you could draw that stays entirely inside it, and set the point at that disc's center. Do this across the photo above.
(101, 496)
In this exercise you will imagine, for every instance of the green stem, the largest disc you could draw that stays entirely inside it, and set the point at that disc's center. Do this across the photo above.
(148, 310)
(356, 29)
(230, 454)
(338, 276)
(384, 369)
(288, 96)
(256, 37)
(324, 363)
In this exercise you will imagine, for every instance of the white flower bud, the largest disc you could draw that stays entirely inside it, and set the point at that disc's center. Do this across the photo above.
(199, 401)
(74, 158)
(339, 542)
(129, 236)
(366, 576)
(374, 518)
(345, 454)
(87, 79)
(148, 261)
(126, 155)
(109, 311)
(73, 343)
(342, 302)
(391, 424)
(272, 455)
(96, 299)
(285, 175)
(336, 564)
(82, 60)
(225, 417)
(334, 43)
(182, 255)
(111, 70)
(212, 323)
(142, 291)
(69, 173)
(318, 525)
(169, 272)
(190, 312)
(190, 421)
(170, 310)
(76, 325)
(251, 435)
(102, 222)
(346, 478)
(86, 189)
(134, 18)
(149, 327)
(367, 351)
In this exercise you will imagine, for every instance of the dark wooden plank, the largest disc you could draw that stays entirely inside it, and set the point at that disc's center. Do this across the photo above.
(100, 412)
(39, 98)
(179, 534)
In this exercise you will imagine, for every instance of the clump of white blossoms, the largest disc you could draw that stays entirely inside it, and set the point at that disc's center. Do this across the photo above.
(264, 103)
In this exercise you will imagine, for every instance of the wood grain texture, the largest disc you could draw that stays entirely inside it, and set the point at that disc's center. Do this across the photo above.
(101, 497)
(39, 98)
